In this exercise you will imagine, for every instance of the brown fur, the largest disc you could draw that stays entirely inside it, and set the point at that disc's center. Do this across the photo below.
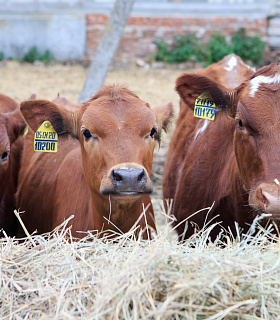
(232, 166)
(78, 178)
(11, 129)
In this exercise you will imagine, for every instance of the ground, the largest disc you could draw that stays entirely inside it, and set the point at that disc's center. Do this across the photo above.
(153, 85)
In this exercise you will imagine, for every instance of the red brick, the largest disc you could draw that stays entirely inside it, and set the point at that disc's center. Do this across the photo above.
(141, 31)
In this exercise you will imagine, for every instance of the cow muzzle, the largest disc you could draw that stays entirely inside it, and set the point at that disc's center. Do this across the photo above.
(266, 198)
(126, 182)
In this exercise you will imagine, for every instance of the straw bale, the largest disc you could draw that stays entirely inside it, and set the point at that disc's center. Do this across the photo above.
(128, 278)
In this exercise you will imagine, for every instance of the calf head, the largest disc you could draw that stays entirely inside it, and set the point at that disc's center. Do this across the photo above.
(117, 133)
(255, 108)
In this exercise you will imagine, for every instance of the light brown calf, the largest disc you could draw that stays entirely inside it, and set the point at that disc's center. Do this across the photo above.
(101, 172)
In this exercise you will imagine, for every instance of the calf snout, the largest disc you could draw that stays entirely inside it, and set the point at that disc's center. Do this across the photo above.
(267, 199)
(126, 179)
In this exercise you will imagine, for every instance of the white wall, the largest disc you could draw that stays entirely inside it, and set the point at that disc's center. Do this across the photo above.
(63, 35)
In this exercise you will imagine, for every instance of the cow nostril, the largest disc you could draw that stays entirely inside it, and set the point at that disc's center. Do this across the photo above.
(116, 176)
(263, 199)
(4, 156)
(142, 175)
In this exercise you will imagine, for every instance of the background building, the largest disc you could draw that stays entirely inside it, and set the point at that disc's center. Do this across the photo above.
(72, 29)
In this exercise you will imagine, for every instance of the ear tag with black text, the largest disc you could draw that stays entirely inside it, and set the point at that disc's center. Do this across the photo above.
(45, 139)
(204, 107)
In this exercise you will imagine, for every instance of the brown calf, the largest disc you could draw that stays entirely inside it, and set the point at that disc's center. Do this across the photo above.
(232, 161)
(11, 127)
(101, 172)
(65, 103)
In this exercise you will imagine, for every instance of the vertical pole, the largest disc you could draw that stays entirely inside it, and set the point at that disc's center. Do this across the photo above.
(106, 49)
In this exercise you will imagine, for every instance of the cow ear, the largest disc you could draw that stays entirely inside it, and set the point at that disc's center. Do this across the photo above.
(15, 125)
(36, 112)
(190, 86)
(164, 115)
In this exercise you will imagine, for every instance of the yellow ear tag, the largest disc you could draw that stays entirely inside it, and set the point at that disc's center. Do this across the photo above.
(204, 107)
(45, 139)
(25, 131)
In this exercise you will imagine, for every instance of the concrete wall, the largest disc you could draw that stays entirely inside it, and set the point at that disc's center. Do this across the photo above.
(63, 35)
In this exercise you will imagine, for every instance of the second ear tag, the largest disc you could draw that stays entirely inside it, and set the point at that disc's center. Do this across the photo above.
(45, 139)
(204, 107)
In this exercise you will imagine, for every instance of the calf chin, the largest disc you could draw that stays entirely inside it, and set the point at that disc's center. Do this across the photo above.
(266, 199)
(126, 182)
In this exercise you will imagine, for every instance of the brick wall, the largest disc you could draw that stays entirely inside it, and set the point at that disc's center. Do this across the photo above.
(142, 32)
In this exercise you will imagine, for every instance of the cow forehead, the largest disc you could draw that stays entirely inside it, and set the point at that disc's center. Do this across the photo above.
(262, 111)
(231, 63)
(230, 71)
(104, 115)
(3, 129)
(260, 98)
(256, 82)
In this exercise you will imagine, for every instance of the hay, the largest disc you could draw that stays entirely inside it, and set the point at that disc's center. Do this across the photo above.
(131, 279)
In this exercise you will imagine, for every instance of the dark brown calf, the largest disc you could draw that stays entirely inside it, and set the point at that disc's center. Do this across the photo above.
(11, 128)
(101, 172)
(233, 161)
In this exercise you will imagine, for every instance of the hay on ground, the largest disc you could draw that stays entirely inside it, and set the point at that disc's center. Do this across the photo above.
(63, 278)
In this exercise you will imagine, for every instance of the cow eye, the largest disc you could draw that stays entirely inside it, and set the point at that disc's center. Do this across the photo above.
(4, 156)
(240, 124)
(153, 132)
(87, 134)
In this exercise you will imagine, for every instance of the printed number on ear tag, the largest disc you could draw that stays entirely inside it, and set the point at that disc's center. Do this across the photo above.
(45, 139)
(204, 107)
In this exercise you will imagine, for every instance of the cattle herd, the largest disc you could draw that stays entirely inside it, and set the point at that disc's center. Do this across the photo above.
(224, 154)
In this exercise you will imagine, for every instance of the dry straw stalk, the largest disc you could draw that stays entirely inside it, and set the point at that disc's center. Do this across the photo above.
(63, 278)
